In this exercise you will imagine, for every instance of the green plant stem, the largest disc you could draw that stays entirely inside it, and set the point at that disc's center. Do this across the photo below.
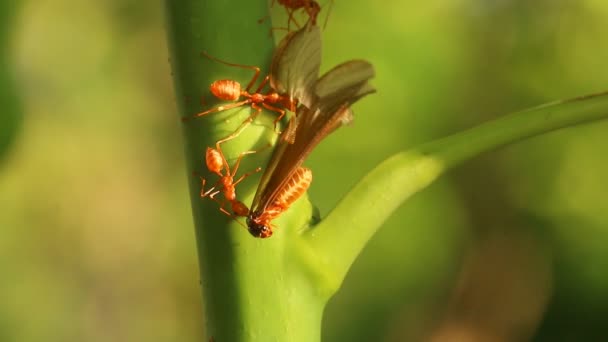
(252, 290)
(339, 238)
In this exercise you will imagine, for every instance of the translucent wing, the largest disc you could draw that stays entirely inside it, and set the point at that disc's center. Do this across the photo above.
(343, 76)
(295, 64)
(336, 87)
(312, 124)
(342, 84)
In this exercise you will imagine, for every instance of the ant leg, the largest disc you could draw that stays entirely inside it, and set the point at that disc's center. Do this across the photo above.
(240, 129)
(263, 83)
(225, 162)
(312, 8)
(203, 193)
(276, 29)
(211, 192)
(221, 204)
(201, 101)
(237, 164)
(232, 216)
(269, 8)
(215, 193)
(254, 68)
(253, 79)
(226, 212)
(278, 110)
(268, 15)
(220, 108)
(292, 18)
(245, 175)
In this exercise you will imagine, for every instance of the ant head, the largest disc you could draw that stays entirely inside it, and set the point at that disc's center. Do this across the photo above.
(258, 229)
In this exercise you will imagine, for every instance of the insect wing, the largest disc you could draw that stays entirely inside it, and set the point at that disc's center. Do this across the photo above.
(338, 80)
(340, 87)
(332, 113)
(336, 87)
(295, 64)
(346, 116)
(270, 173)
(313, 124)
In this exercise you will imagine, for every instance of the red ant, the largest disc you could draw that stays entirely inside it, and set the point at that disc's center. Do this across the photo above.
(310, 7)
(216, 163)
(230, 90)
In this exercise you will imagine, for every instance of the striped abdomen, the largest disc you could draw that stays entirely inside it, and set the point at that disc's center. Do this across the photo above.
(293, 189)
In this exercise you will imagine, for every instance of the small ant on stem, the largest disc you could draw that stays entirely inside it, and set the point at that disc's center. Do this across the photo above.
(216, 163)
(230, 90)
(310, 7)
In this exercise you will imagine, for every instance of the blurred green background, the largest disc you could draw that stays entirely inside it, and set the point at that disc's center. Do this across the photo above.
(97, 242)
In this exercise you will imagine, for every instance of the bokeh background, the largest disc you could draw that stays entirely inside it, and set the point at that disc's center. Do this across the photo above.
(96, 236)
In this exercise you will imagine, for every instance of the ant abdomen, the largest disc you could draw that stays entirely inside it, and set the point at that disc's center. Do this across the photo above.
(214, 161)
(227, 90)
